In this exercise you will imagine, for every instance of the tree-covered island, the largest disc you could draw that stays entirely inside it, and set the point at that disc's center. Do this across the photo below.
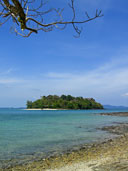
(63, 102)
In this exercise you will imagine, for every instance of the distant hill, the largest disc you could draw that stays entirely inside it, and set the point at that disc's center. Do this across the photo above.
(114, 107)
(64, 102)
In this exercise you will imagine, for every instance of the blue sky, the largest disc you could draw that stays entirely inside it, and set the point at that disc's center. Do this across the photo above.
(95, 65)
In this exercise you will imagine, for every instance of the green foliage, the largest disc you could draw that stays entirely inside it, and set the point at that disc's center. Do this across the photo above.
(64, 102)
(29, 104)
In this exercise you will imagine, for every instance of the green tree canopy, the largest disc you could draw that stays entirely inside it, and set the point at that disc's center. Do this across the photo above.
(64, 102)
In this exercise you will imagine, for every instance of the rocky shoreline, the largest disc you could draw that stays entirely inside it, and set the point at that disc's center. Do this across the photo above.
(109, 155)
(124, 114)
(119, 129)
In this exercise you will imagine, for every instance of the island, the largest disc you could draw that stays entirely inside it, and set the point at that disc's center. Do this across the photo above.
(63, 102)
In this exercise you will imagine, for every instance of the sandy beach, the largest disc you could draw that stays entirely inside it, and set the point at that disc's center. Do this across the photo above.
(41, 109)
(108, 155)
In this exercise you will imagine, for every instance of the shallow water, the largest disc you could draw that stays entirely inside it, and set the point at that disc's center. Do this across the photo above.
(29, 135)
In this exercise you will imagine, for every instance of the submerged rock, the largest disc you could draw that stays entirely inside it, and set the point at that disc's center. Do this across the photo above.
(116, 129)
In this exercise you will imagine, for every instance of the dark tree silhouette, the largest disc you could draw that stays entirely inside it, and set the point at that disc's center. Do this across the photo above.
(28, 16)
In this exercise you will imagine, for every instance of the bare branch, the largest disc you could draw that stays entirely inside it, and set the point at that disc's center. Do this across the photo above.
(29, 16)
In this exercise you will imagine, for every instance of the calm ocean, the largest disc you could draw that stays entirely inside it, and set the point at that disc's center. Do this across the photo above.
(29, 135)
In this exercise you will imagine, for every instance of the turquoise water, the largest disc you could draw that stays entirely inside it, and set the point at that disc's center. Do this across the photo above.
(29, 135)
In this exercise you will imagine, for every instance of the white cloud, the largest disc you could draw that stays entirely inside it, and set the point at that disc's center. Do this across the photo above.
(126, 94)
(106, 84)
(7, 77)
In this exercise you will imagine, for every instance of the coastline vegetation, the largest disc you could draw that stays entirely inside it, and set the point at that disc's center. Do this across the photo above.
(63, 102)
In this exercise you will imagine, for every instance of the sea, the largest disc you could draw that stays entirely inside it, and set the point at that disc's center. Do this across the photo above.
(26, 136)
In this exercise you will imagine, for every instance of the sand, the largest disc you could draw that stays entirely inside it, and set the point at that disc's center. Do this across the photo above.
(41, 109)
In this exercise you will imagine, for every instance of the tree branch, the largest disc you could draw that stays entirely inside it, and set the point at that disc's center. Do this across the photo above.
(23, 14)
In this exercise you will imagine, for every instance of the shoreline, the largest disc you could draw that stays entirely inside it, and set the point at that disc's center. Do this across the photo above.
(109, 154)
(43, 109)
(106, 155)
(60, 109)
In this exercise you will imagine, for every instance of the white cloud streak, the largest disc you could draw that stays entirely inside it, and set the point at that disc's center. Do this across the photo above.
(126, 94)
(106, 83)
